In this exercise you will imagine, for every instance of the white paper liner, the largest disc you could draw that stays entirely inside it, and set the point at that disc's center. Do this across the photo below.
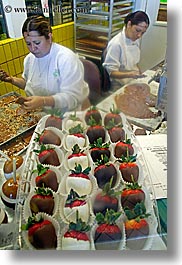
(78, 160)
(74, 244)
(55, 224)
(59, 152)
(26, 208)
(83, 144)
(122, 243)
(57, 171)
(152, 234)
(64, 189)
(54, 130)
(69, 214)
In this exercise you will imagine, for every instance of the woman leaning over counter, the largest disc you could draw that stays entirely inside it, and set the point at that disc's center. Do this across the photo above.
(53, 75)
(123, 50)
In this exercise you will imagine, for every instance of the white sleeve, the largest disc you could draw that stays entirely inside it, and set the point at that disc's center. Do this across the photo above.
(73, 88)
(112, 60)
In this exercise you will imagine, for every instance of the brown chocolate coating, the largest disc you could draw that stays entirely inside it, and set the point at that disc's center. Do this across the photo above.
(136, 239)
(44, 238)
(130, 174)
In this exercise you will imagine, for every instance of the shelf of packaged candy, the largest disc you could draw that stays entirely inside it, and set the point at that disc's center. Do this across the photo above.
(88, 189)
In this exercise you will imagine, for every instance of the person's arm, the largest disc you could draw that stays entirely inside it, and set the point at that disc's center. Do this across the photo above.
(34, 102)
(16, 81)
(126, 74)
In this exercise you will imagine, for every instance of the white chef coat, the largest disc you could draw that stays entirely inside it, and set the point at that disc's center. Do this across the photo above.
(60, 74)
(122, 54)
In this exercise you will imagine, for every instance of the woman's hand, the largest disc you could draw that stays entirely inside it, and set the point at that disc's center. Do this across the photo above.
(4, 76)
(33, 102)
(136, 75)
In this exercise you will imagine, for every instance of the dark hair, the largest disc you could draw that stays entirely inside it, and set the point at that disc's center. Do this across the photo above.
(39, 24)
(137, 17)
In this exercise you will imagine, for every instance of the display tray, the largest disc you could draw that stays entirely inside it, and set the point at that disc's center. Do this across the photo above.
(16, 123)
(150, 124)
(59, 217)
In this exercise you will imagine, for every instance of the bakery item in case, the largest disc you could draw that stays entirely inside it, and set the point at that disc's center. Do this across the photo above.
(9, 192)
(93, 114)
(49, 155)
(99, 149)
(49, 136)
(105, 172)
(113, 117)
(73, 204)
(108, 234)
(47, 177)
(104, 199)
(42, 232)
(76, 236)
(129, 168)
(75, 136)
(123, 148)
(42, 201)
(136, 227)
(79, 181)
(75, 157)
(55, 119)
(8, 166)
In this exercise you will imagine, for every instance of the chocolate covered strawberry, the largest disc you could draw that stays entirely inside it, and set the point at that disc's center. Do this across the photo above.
(76, 237)
(41, 233)
(55, 119)
(79, 181)
(136, 227)
(113, 116)
(116, 132)
(131, 195)
(75, 136)
(77, 157)
(98, 149)
(108, 235)
(42, 201)
(95, 131)
(105, 199)
(104, 172)
(46, 178)
(47, 155)
(48, 137)
(123, 148)
(75, 203)
(72, 121)
(129, 168)
(93, 113)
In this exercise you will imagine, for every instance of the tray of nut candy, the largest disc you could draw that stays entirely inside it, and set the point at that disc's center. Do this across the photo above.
(17, 124)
